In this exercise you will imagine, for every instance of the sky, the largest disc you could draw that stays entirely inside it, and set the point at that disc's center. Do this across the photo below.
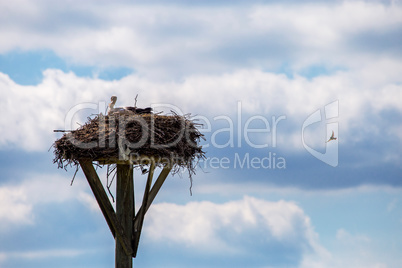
(269, 81)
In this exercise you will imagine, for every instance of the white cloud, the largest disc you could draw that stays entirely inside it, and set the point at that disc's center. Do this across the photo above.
(355, 250)
(392, 205)
(349, 250)
(14, 208)
(345, 237)
(247, 226)
(18, 202)
(204, 59)
(42, 254)
(89, 201)
(172, 41)
(3, 257)
(31, 255)
(33, 112)
(224, 189)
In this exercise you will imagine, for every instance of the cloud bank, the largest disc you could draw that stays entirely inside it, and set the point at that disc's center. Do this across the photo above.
(279, 233)
(368, 102)
(178, 40)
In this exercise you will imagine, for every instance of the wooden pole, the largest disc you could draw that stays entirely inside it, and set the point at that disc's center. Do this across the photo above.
(137, 232)
(152, 194)
(124, 212)
(125, 226)
(107, 209)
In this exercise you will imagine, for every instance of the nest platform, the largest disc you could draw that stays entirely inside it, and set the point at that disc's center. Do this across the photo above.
(133, 139)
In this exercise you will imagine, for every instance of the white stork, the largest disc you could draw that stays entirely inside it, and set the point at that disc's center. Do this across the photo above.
(125, 110)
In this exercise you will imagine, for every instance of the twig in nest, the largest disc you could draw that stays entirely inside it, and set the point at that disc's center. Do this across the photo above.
(51, 146)
(62, 130)
(76, 170)
(135, 104)
(97, 166)
(143, 170)
(191, 185)
(107, 179)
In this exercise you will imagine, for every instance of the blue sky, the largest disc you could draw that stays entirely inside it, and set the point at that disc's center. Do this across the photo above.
(256, 73)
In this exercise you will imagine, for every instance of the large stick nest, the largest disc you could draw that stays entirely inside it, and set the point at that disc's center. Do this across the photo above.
(109, 139)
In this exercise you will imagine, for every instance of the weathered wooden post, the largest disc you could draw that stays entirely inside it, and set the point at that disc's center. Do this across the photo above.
(114, 140)
(124, 211)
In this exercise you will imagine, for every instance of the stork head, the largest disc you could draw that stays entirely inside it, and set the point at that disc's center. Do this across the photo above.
(113, 99)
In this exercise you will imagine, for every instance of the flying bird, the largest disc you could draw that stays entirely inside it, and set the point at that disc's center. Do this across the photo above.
(332, 138)
(126, 110)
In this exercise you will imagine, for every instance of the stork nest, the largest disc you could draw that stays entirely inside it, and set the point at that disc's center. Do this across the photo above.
(108, 139)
